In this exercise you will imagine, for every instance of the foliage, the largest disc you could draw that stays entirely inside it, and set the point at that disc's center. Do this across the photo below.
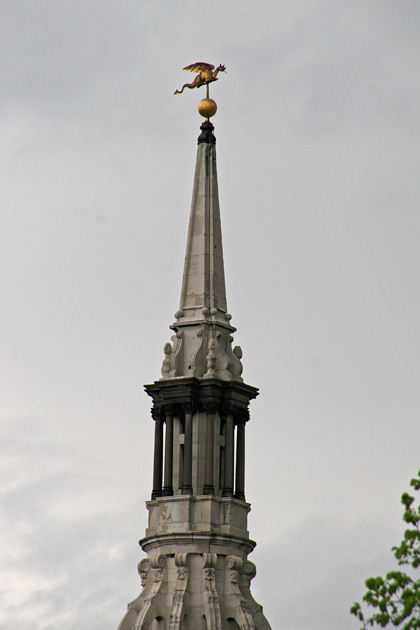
(396, 598)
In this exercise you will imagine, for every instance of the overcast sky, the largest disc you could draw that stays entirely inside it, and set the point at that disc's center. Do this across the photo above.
(318, 158)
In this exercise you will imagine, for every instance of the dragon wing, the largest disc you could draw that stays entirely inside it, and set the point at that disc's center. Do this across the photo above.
(199, 66)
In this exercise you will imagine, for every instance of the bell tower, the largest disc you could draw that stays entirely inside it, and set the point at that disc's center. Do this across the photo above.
(197, 575)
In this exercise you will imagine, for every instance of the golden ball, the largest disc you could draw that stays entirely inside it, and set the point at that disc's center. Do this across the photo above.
(207, 107)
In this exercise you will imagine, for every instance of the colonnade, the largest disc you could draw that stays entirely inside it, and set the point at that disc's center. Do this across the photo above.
(233, 477)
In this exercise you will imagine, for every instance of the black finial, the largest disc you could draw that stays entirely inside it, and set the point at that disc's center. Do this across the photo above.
(206, 136)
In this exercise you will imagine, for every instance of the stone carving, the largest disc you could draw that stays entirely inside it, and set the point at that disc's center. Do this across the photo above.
(217, 360)
(129, 620)
(176, 354)
(182, 573)
(181, 561)
(192, 367)
(222, 360)
(145, 605)
(158, 564)
(171, 361)
(166, 363)
(209, 573)
(234, 576)
(143, 569)
(173, 603)
(177, 609)
(211, 360)
(234, 564)
(211, 599)
(237, 351)
(235, 356)
(237, 364)
(209, 559)
(250, 571)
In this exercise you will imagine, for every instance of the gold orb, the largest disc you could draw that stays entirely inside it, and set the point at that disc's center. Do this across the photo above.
(207, 107)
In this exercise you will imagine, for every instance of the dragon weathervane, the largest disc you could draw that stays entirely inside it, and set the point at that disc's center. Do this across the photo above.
(206, 74)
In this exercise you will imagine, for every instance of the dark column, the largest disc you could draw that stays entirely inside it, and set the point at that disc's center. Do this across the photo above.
(187, 476)
(229, 448)
(240, 461)
(157, 463)
(169, 447)
(209, 469)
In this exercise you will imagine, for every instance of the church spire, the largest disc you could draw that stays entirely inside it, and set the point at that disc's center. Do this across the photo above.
(202, 344)
(203, 283)
(196, 575)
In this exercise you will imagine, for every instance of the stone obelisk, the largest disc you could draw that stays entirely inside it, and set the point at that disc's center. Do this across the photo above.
(197, 575)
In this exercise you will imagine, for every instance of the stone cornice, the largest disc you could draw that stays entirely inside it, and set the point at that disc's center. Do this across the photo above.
(196, 394)
(196, 540)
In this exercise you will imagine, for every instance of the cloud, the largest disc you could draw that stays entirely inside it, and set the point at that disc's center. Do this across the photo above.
(64, 552)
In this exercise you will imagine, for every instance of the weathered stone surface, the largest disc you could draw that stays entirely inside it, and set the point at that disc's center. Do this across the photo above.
(202, 344)
(198, 514)
(190, 590)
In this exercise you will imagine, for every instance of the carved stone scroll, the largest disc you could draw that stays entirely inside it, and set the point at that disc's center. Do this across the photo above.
(195, 357)
(177, 610)
(249, 571)
(143, 569)
(242, 616)
(176, 354)
(158, 564)
(129, 620)
(147, 612)
(211, 599)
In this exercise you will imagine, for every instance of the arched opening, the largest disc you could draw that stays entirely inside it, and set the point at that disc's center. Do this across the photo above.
(231, 624)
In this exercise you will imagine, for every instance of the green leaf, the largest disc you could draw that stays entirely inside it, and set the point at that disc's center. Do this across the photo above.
(396, 598)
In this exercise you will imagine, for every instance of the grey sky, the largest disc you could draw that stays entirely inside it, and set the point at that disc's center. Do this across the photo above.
(318, 159)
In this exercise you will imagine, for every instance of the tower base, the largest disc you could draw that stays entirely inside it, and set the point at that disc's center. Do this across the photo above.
(195, 579)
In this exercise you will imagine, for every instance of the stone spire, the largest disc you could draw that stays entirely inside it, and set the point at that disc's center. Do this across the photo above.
(202, 344)
(203, 283)
(196, 575)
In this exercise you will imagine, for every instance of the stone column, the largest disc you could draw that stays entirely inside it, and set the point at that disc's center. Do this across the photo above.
(209, 469)
(229, 454)
(157, 462)
(240, 461)
(168, 489)
(187, 473)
